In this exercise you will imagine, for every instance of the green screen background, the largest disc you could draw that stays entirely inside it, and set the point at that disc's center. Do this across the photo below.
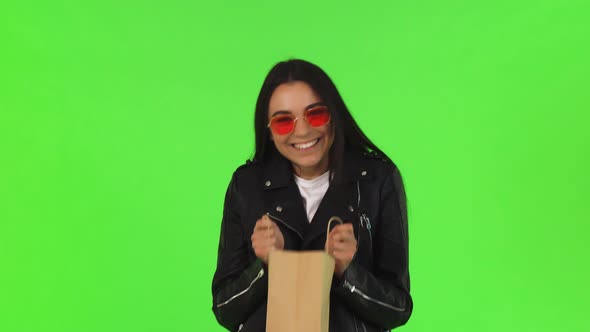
(122, 122)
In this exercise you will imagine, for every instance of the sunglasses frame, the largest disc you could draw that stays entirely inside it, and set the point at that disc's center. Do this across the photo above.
(297, 118)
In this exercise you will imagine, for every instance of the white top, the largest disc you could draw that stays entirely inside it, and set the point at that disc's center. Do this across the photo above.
(312, 192)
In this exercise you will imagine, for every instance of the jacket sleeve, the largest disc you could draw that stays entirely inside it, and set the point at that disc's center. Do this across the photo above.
(239, 284)
(382, 296)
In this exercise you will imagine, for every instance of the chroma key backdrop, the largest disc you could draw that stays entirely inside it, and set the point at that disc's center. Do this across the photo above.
(121, 123)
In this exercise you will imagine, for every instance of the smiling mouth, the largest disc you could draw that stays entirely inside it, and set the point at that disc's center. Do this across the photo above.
(303, 146)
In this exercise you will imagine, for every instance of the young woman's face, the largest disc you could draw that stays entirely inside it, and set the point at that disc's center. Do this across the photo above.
(306, 146)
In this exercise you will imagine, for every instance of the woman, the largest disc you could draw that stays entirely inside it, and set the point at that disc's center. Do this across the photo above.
(313, 162)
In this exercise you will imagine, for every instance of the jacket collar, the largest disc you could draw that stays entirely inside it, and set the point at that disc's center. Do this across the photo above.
(278, 172)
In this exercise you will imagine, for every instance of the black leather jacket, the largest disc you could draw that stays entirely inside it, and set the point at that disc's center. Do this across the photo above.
(374, 292)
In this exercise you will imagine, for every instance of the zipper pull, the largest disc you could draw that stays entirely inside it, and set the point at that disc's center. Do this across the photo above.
(349, 286)
(364, 216)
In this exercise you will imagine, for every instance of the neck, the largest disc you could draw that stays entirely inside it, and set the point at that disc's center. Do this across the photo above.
(310, 173)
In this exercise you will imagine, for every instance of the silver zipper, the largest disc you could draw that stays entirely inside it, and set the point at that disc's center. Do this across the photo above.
(364, 219)
(258, 276)
(353, 289)
(368, 223)
(363, 325)
(284, 223)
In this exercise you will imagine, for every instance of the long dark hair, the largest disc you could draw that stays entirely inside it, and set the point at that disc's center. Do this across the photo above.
(347, 134)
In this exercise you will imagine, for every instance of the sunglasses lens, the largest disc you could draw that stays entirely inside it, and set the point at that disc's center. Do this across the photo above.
(282, 124)
(318, 116)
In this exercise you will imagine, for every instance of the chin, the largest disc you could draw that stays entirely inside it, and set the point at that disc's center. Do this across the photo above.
(307, 162)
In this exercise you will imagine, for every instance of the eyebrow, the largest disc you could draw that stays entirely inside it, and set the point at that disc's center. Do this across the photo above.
(279, 112)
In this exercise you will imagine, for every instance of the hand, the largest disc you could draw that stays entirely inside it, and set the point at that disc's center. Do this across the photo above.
(266, 237)
(341, 245)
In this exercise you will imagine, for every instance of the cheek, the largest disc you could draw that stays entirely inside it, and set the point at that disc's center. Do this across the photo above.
(278, 139)
(329, 133)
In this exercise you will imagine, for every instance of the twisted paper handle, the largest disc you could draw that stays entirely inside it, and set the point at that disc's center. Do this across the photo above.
(334, 218)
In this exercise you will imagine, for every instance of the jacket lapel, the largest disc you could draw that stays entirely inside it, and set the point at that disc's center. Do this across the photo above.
(283, 202)
(338, 201)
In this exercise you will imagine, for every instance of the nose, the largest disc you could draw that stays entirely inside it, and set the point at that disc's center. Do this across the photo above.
(302, 127)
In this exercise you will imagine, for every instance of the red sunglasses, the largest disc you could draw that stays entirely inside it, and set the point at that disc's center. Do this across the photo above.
(283, 124)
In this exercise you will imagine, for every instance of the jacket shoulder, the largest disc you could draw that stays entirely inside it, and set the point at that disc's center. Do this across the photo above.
(249, 163)
(247, 170)
(379, 163)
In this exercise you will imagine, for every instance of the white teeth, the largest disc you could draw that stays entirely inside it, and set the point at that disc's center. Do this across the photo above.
(306, 145)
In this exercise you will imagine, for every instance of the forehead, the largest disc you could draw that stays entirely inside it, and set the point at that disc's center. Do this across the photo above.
(293, 97)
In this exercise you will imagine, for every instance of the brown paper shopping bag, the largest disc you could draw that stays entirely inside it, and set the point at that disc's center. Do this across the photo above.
(299, 290)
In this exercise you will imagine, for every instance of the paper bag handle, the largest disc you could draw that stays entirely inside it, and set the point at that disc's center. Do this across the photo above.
(334, 218)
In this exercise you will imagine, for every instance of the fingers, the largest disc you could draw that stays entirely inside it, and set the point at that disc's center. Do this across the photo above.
(341, 245)
(342, 233)
(348, 248)
(341, 242)
(263, 223)
(343, 229)
(266, 237)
